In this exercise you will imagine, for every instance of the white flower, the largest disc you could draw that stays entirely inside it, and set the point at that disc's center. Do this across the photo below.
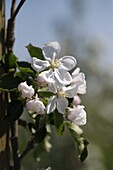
(77, 115)
(59, 67)
(59, 100)
(27, 91)
(78, 79)
(35, 105)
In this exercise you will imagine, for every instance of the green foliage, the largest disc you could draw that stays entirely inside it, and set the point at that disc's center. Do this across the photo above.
(14, 111)
(40, 134)
(25, 69)
(80, 142)
(35, 51)
(9, 82)
(10, 61)
(59, 123)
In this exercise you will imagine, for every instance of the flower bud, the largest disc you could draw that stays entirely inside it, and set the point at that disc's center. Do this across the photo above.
(27, 91)
(77, 115)
(35, 105)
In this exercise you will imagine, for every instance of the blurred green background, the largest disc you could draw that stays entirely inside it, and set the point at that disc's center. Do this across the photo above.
(84, 29)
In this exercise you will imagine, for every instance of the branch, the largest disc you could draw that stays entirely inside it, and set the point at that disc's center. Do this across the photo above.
(18, 9)
(29, 147)
(10, 39)
(13, 7)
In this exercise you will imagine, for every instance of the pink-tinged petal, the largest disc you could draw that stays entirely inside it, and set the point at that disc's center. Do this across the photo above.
(50, 50)
(39, 65)
(76, 100)
(77, 115)
(68, 62)
(51, 104)
(63, 76)
(62, 103)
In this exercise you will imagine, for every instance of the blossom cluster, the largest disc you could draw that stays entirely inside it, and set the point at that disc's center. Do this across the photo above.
(55, 75)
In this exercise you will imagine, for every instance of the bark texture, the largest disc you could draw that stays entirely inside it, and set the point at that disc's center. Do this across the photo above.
(4, 132)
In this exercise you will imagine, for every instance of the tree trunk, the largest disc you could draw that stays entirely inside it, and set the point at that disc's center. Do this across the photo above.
(4, 132)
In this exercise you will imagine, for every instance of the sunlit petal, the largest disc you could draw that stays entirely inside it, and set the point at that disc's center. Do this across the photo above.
(63, 76)
(51, 104)
(62, 103)
(68, 62)
(39, 65)
(50, 50)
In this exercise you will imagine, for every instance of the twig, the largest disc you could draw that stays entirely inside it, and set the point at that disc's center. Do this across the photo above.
(18, 8)
(13, 7)
(10, 38)
(29, 147)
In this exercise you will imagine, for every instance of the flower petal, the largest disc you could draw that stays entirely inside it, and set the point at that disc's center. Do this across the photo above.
(63, 76)
(39, 65)
(62, 103)
(68, 62)
(50, 50)
(77, 115)
(70, 91)
(46, 76)
(51, 104)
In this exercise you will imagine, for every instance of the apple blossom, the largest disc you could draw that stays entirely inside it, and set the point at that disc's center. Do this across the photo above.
(77, 115)
(27, 91)
(59, 99)
(58, 67)
(78, 78)
(35, 105)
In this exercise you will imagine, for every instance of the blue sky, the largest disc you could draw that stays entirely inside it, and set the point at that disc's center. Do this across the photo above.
(36, 23)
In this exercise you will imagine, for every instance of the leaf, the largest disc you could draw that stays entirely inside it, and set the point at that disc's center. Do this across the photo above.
(35, 51)
(81, 143)
(59, 122)
(10, 60)
(40, 134)
(45, 94)
(14, 111)
(8, 82)
(25, 69)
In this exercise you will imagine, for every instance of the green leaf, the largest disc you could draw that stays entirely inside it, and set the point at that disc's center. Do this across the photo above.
(8, 82)
(59, 122)
(80, 142)
(24, 64)
(10, 60)
(45, 94)
(14, 111)
(35, 51)
(25, 69)
(40, 134)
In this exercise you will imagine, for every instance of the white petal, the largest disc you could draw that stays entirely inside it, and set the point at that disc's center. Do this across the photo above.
(77, 115)
(70, 91)
(62, 103)
(51, 104)
(63, 76)
(82, 88)
(69, 62)
(39, 65)
(50, 50)
(81, 119)
(47, 76)
(76, 71)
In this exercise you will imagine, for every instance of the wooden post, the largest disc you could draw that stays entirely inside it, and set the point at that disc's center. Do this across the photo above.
(4, 132)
